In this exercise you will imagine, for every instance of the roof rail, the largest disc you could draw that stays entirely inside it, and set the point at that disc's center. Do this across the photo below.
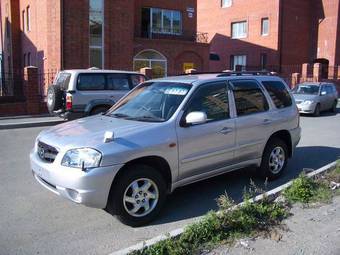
(234, 73)
(245, 73)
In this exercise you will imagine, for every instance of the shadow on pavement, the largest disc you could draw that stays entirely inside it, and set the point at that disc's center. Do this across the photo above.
(196, 199)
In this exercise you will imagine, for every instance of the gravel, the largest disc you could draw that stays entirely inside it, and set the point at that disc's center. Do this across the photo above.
(309, 231)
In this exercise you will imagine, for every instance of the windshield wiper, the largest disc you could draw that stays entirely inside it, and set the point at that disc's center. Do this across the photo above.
(119, 115)
(147, 118)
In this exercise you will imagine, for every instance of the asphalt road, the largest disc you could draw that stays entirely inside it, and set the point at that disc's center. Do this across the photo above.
(35, 221)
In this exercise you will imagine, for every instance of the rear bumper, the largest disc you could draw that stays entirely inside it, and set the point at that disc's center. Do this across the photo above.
(69, 115)
(90, 188)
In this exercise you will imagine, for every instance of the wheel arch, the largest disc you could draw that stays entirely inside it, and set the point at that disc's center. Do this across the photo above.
(97, 103)
(156, 162)
(286, 137)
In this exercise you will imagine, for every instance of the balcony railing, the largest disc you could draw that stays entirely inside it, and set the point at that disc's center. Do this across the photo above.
(185, 35)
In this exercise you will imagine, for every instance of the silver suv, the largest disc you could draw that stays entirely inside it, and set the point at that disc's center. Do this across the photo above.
(167, 133)
(84, 92)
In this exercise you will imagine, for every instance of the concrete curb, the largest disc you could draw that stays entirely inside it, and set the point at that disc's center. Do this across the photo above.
(27, 124)
(179, 231)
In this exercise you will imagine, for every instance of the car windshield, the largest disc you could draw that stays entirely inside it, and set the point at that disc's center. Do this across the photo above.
(151, 101)
(307, 89)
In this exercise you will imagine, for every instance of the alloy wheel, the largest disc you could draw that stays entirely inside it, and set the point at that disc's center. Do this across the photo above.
(277, 160)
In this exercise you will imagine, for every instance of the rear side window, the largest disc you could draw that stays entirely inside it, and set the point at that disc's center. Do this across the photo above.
(117, 82)
(63, 80)
(91, 82)
(249, 98)
(278, 93)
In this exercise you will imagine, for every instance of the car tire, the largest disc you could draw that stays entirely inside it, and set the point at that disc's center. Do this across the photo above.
(54, 98)
(127, 195)
(274, 159)
(334, 106)
(98, 110)
(317, 111)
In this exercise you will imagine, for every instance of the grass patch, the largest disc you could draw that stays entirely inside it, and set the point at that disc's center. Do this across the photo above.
(233, 221)
(312, 190)
(223, 227)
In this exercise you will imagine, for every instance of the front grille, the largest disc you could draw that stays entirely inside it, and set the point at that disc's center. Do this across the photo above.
(46, 152)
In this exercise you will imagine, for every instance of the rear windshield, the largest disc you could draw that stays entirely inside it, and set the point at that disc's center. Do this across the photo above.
(63, 80)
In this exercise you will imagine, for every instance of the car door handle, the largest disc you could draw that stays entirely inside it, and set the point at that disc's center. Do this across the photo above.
(226, 130)
(267, 121)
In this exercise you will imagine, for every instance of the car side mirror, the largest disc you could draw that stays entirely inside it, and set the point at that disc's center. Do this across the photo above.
(323, 93)
(195, 118)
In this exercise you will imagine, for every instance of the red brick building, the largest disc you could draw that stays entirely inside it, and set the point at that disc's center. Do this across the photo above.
(272, 34)
(110, 34)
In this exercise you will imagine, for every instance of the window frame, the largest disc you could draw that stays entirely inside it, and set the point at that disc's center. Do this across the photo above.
(223, 5)
(162, 22)
(95, 47)
(28, 18)
(182, 121)
(262, 24)
(264, 93)
(232, 29)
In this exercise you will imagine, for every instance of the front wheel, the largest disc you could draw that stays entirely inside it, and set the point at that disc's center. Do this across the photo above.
(137, 197)
(274, 159)
(334, 106)
(317, 111)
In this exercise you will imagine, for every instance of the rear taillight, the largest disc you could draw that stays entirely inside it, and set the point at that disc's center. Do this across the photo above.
(68, 102)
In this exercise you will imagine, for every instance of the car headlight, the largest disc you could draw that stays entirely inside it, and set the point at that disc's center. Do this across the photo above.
(307, 102)
(82, 158)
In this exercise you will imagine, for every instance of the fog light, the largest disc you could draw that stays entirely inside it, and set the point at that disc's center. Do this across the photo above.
(75, 195)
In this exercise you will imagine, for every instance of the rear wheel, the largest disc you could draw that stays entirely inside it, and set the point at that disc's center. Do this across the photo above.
(138, 195)
(98, 110)
(274, 159)
(317, 111)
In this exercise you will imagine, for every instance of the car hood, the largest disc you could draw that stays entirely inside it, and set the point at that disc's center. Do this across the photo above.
(89, 132)
(303, 97)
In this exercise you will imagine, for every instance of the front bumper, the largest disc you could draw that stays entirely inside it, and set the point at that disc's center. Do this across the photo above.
(307, 109)
(88, 188)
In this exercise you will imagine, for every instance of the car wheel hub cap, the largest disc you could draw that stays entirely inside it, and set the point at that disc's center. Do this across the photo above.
(50, 98)
(276, 160)
(141, 197)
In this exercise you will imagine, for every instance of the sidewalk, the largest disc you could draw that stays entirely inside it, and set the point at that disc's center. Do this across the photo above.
(29, 121)
(309, 231)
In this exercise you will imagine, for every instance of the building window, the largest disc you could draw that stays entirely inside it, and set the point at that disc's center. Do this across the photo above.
(226, 3)
(96, 20)
(28, 17)
(263, 61)
(151, 59)
(265, 26)
(23, 20)
(161, 21)
(240, 60)
(239, 29)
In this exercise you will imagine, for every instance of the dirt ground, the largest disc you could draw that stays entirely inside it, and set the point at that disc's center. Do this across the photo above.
(310, 231)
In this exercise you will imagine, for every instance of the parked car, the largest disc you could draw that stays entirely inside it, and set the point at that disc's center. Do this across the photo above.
(167, 133)
(313, 98)
(79, 93)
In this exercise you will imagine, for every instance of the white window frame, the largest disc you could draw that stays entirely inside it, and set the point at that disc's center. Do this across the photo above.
(162, 20)
(262, 30)
(28, 18)
(244, 61)
(164, 60)
(103, 32)
(226, 3)
(239, 23)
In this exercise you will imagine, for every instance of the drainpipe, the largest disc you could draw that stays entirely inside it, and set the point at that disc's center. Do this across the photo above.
(281, 15)
(61, 34)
